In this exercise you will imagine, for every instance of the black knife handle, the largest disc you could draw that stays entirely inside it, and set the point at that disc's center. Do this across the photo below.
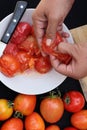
(17, 15)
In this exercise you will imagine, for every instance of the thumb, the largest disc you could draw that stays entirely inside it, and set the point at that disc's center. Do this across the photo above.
(51, 28)
(69, 48)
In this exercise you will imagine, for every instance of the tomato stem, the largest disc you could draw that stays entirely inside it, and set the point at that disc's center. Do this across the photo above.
(18, 114)
(10, 103)
(54, 94)
(67, 100)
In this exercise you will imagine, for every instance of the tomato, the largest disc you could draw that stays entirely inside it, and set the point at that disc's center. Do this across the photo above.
(30, 45)
(52, 127)
(70, 128)
(52, 109)
(79, 119)
(23, 58)
(6, 109)
(73, 101)
(49, 48)
(12, 124)
(9, 65)
(34, 122)
(25, 104)
(43, 65)
(21, 32)
(11, 48)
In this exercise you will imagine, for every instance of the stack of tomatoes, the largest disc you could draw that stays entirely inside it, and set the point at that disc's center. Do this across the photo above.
(22, 52)
(22, 113)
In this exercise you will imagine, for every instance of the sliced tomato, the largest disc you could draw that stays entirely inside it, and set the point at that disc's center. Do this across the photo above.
(42, 64)
(30, 45)
(23, 58)
(49, 48)
(9, 65)
(11, 48)
(21, 32)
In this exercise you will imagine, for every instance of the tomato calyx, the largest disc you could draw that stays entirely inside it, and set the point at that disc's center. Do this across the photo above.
(54, 94)
(18, 114)
(10, 103)
(67, 100)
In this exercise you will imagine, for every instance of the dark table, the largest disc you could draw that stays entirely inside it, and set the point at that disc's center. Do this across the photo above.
(76, 17)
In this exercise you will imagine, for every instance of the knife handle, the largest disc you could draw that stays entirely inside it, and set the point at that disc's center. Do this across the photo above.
(17, 15)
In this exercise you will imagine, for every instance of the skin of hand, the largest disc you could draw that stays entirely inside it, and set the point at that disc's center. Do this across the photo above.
(77, 68)
(49, 16)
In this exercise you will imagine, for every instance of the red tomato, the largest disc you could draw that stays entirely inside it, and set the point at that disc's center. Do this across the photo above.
(70, 128)
(6, 109)
(42, 64)
(11, 48)
(23, 58)
(34, 122)
(25, 104)
(49, 48)
(30, 45)
(79, 120)
(13, 124)
(52, 127)
(9, 65)
(21, 32)
(73, 101)
(52, 109)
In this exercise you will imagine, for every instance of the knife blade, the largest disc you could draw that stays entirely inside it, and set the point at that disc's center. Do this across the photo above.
(17, 15)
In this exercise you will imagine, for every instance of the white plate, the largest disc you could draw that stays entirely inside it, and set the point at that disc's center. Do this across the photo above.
(31, 82)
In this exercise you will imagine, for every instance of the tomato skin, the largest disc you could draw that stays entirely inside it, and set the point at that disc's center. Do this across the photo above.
(21, 32)
(9, 65)
(6, 110)
(11, 48)
(50, 49)
(73, 101)
(79, 119)
(52, 109)
(43, 65)
(34, 122)
(52, 127)
(70, 128)
(13, 124)
(25, 104)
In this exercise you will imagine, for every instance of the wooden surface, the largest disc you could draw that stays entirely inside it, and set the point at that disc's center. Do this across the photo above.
(80, 35)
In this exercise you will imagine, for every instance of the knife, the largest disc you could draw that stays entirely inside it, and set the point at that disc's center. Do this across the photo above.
(17, 15)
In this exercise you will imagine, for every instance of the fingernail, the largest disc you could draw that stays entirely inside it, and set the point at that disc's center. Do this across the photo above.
(48, 42)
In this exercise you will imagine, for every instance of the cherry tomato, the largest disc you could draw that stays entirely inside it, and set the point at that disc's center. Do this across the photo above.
(42, 64)
(79, 120)
(52, 127)
(52, 109)
(30, 45)
(12, 124)
(73, 101)
(34, 122)
(25, 104)
(9, 65)
(6, 109)
(49, 48)
(21, 32)
(70, 128)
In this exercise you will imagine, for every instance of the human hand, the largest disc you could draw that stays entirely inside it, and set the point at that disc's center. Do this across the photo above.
(49, 16)
(77, 68)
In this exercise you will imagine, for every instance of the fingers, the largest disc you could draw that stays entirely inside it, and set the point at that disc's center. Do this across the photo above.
(61, 68)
